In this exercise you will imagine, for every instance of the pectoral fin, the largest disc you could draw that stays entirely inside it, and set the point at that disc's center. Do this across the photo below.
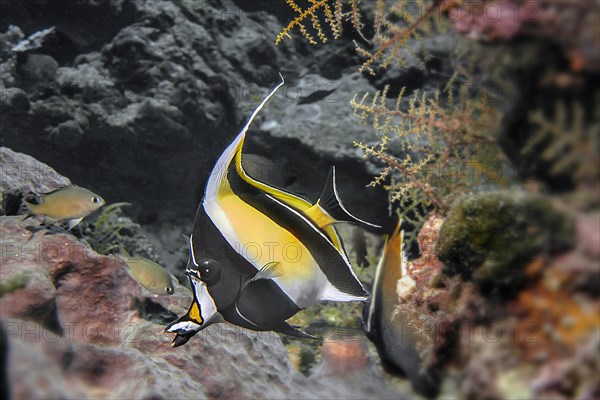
(290, 330)
(269, 271)
(72, 223)
(28, 215)
(333, 293)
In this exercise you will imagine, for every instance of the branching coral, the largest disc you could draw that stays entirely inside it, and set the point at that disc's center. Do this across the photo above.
(112, 230)
(106, 232)
(389, 37)
(333, 13)
(445, 147)
(432, 143)
(569, 143)
(439, 132)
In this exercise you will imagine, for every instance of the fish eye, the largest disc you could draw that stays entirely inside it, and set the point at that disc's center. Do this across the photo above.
(209, 272)
(96, 200)
(168, 289)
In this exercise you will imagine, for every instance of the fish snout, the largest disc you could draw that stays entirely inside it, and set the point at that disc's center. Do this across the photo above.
(182, 339)
(187, 326)
(184, 330)
(183, 326)
(201, 314)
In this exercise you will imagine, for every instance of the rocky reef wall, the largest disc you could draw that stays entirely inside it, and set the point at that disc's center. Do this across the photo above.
(135, 99)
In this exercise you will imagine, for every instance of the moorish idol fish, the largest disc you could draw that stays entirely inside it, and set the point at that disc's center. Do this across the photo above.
(388, 328)
(69, 203)
(259, 254)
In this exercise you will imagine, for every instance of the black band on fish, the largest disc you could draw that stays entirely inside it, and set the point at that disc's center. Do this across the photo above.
(329, 259)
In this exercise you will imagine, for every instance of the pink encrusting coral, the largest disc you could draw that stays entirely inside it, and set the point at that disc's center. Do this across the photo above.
(539, 342)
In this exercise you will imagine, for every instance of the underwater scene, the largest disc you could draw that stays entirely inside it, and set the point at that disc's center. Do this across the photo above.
(300, 199)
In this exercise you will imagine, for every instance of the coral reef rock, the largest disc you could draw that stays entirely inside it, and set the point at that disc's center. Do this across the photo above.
(21, 172)
(536, 339)
(155, 90)
(79, 326)
(494, 235)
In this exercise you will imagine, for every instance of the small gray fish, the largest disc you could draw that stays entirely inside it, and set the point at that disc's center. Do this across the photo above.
(69, 203)
(148, 274)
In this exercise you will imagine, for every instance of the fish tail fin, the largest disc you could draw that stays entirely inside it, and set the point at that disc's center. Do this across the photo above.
(30, 209)
(30, 206)
(331, 203)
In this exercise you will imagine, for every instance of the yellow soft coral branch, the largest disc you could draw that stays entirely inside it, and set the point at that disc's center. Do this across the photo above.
(298, 20)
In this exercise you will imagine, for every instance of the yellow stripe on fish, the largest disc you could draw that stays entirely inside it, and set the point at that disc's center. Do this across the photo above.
(314, 212)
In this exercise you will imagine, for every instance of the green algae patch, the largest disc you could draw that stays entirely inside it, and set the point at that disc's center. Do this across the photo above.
(14, 283)
(491, 237)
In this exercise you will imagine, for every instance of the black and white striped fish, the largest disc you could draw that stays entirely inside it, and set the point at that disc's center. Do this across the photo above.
(260, 254)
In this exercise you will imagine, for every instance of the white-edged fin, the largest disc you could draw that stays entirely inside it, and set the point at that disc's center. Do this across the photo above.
(72, 223)
(239, 313)
(331, 202)
(379, 271)
(331, 293)
(262, 104)
(220, 169)
(269, 271)
(403, 260)
(375, 290)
